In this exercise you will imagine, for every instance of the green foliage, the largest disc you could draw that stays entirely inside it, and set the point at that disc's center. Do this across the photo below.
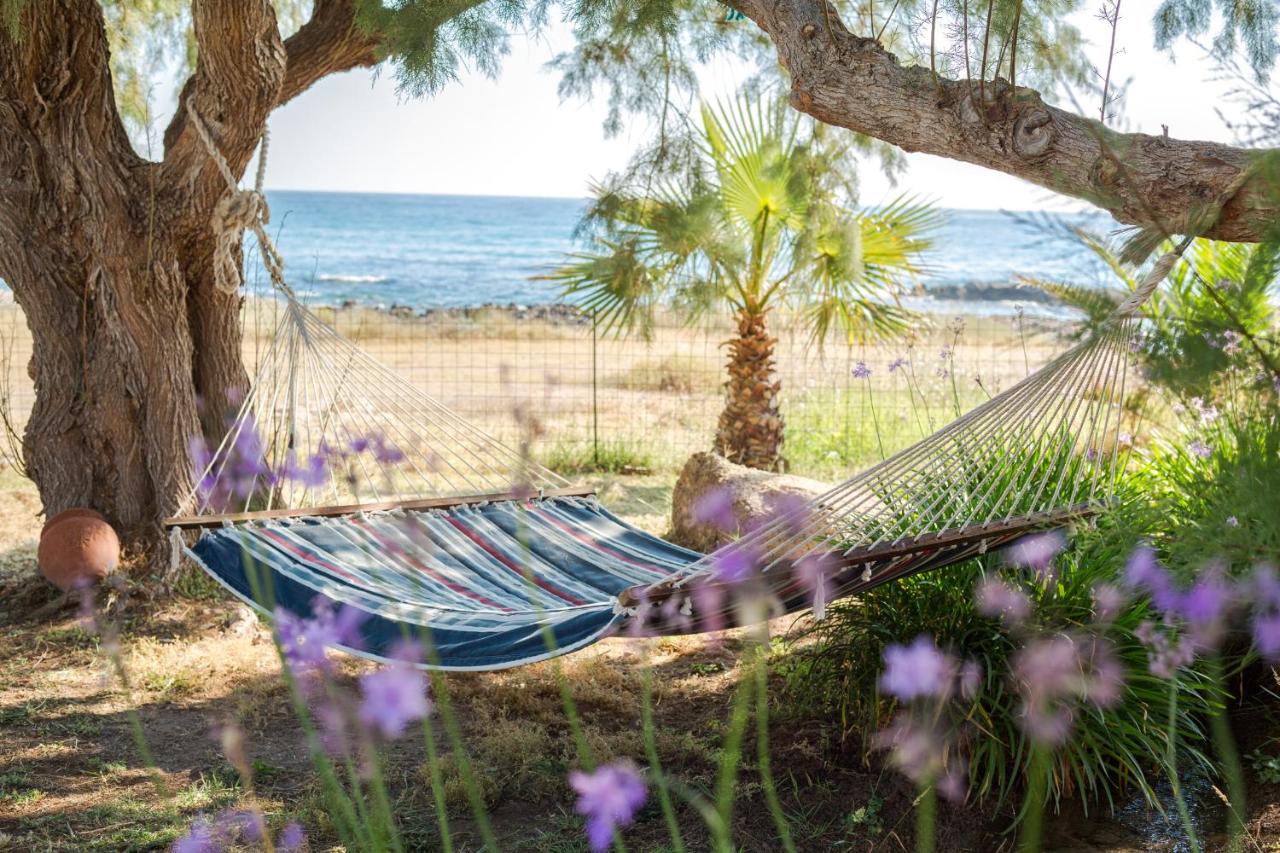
(1206, 322)
(1223, 506)
(1110, 749)
(429, 42)
(1265, 766)
(1247, 24)
(610, 457)
(760, 216)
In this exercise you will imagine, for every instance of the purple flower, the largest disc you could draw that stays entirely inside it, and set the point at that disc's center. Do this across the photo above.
(1266, 636)
(916, 747)
(1055, 672)
(385, 452)
(716, 508)
(359, 445)
(861, 371)
(814, 571)
(952, 785)
(917, 670)
(1144, 573)
(897, 364)
(303, 641)
(1108, 599)
(609, 797)
(291, 838)
(201, 838)
(735, 563)
(708, 604)
(1164, 656)
(1037, 552)
(313, 474)
(1266, 586)
(1204, 605)
(1232, 521)
(333, 729)
(946, 353)
(394, 696)
(1125, 439)
(999, 600)
(1199, 448)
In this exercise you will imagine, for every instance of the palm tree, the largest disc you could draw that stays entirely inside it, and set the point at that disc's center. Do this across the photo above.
(761, 215)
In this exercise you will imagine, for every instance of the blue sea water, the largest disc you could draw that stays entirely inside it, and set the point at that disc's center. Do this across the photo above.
(447, 251)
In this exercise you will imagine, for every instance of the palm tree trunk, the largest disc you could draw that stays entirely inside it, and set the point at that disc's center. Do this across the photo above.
(750, 430)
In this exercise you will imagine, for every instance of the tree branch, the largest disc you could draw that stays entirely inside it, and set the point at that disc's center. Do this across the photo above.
(330, 42)
(238, 75)
(1151, 181)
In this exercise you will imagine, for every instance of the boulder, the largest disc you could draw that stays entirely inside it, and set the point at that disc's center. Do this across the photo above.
(715, 501)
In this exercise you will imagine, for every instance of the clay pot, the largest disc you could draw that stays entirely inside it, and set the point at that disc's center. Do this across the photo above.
(74, 512)
(77, 548)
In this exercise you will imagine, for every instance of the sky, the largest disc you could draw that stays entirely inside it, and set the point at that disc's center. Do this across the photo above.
(515, 136)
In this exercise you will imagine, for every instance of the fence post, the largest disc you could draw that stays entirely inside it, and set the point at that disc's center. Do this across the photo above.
(595, 407)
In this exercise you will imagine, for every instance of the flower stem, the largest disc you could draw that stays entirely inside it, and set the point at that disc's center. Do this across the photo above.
(459, 751)
(762, 752)
(1171, 768)
(1033, 809)
(926, 817)
(655, 767)
(729, 759)
(1225, 745)
(437, 785)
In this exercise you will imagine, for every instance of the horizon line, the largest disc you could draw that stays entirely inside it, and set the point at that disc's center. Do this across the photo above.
(499, 196)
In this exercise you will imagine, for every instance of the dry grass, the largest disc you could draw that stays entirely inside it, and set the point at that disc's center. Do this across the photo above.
(659, 395)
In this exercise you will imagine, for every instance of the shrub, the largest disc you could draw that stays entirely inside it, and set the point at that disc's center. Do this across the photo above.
(1211, 492)
(1110, 749)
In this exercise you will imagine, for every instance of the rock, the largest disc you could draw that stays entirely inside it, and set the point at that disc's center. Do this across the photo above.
(746, 495)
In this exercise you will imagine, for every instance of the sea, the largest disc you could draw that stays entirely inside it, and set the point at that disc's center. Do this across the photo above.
(441, 251)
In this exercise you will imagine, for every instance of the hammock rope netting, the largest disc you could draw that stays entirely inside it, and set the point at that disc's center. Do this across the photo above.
(339, 484)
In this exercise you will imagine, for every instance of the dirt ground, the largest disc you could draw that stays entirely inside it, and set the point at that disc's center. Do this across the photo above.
(73, 777)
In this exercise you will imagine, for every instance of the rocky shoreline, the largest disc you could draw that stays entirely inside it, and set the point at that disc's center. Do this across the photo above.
(560, 313)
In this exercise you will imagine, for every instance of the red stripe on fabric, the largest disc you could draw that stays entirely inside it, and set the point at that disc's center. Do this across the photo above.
(298, 551)
(501, 558)
(436, 576)
(594, 543)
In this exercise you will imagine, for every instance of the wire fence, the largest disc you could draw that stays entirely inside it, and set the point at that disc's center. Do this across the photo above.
(648, 400)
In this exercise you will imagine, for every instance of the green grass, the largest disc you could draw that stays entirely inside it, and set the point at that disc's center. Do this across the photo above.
(608, 457)
(834, 433)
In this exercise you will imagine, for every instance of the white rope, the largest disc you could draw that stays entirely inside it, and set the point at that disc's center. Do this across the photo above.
(237, 211)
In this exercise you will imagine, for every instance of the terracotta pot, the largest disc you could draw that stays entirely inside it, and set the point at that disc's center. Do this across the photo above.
(77, 550)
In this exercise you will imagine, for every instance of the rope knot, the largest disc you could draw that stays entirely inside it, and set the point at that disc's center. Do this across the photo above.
(236, 212)
(239, 210)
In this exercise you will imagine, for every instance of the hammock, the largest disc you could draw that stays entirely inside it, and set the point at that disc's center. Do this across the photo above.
(424, 525)
(506, 563)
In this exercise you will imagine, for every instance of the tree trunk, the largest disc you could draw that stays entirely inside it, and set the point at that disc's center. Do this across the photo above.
(750, 430)
(108, 255)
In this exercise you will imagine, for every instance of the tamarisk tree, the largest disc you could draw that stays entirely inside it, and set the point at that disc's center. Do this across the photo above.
(110, 253)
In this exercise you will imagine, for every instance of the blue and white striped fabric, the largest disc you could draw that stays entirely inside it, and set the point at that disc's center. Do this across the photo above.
(483, 583)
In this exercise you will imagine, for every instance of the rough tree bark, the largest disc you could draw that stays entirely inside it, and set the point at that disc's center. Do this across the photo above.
(109, 254)
(750, 430)
(1152, 181)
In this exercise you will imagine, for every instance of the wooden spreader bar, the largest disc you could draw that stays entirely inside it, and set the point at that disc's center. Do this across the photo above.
(198, 521)
(955, 536)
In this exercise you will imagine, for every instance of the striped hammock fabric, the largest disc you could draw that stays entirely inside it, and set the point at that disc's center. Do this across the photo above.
(489, 580)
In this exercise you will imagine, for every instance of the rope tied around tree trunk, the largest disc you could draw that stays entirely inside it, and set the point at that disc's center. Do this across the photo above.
(1164, 264)
(238, 211)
